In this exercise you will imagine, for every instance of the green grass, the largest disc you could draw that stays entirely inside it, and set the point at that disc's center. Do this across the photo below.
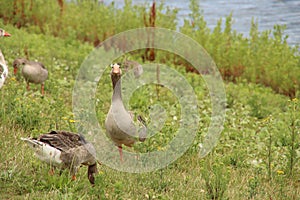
(257, 156)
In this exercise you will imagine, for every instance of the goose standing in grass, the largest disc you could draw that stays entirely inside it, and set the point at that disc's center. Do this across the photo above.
(66, 150)
(119, 123)
(3, 66)
(33, 72)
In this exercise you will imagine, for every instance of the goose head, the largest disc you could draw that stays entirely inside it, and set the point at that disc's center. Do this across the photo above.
(17, 63)
(116, 73)
(3, 33)
(92, 169)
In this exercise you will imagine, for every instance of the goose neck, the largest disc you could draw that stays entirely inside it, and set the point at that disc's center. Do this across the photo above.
(117, 89)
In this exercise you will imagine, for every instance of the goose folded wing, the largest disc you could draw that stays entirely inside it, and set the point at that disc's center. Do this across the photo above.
(62, 140)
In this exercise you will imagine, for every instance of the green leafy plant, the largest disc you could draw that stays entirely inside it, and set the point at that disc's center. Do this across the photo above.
(216, 180)
(294, 131)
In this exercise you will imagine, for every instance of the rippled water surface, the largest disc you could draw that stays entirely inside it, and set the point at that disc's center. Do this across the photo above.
(266, 12)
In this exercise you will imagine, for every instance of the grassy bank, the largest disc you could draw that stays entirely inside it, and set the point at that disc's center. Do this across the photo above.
(258, 153)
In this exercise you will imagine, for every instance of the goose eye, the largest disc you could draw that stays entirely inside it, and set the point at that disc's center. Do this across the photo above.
(112, 65)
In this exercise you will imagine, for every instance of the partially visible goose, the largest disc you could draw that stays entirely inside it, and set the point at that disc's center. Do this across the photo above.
(33, 72)
(119, 123)
(3, 33)
(65, 149)
(137, 67)
(3, 68)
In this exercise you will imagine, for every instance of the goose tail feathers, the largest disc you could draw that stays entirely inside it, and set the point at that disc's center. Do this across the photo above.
(44, 151)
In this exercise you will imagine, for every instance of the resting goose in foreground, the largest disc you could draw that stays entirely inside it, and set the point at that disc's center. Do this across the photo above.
(33, 72)
(3, 66)
(119, 123)
(66, 150)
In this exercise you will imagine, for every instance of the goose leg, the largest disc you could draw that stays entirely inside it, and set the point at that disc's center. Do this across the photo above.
(27, 87)
(42, 89)
(51, 171)
(121, 153)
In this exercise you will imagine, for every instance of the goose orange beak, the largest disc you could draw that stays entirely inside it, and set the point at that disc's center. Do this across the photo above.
(116, 69)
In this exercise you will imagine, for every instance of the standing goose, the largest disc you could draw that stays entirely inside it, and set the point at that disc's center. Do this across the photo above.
(3, 68)
(66, 150)
(119, 122)
(33, 72)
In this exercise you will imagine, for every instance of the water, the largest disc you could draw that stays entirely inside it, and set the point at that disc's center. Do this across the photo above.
(266, 12)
